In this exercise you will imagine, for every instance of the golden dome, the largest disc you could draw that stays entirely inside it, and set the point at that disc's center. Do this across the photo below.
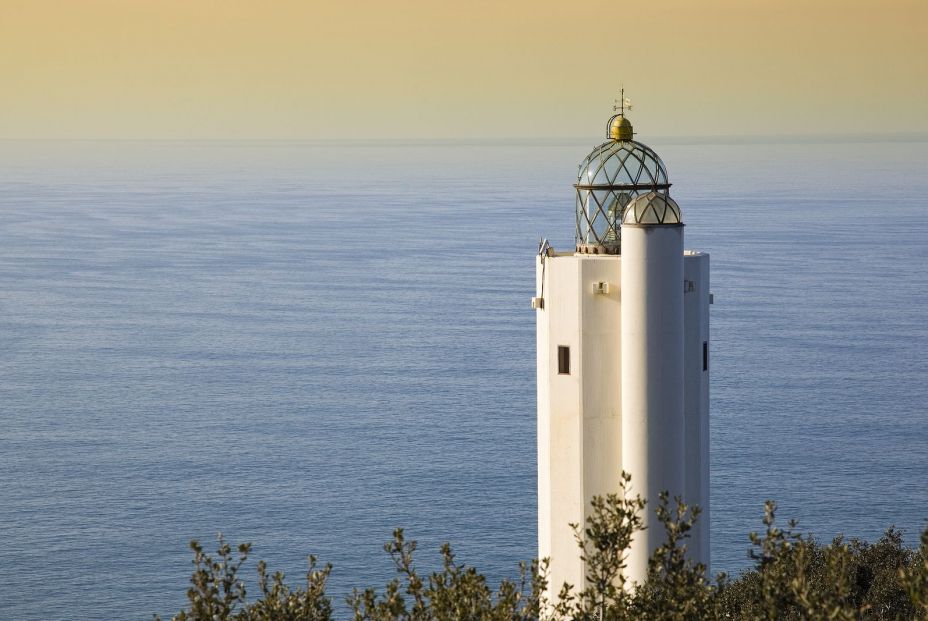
(620, 128)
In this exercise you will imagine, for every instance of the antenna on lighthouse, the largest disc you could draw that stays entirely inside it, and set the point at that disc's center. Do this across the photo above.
(619, 127)
(622, 102)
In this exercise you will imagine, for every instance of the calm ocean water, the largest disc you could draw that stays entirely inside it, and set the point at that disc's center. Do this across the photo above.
(305, 345)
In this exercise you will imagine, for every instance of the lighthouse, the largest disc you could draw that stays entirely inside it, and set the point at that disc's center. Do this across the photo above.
(623, 356)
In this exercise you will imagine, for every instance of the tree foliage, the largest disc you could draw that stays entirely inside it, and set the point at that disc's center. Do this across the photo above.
(794, 577)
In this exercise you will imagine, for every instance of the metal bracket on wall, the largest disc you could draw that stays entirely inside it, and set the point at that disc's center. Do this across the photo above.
(544, 251)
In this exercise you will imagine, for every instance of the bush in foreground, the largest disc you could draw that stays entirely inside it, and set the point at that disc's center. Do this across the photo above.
(794, 577)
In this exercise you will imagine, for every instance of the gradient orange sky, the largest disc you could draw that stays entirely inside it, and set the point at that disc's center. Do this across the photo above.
(420, 69)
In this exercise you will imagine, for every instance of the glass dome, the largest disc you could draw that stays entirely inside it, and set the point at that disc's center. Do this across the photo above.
(608, 179)
(652, 208)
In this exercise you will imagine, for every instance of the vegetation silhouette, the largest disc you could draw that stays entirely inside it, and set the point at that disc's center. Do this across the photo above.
(794, 577)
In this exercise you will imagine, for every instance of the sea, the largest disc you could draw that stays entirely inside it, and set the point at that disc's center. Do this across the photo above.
(307, 344)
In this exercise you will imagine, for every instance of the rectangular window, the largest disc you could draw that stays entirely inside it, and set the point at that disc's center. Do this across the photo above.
(563, 360)
(705, 355)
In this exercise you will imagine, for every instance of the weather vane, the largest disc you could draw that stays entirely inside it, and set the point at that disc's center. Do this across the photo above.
(622, 102)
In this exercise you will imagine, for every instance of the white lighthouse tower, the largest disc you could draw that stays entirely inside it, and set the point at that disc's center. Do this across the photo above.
(623, 357)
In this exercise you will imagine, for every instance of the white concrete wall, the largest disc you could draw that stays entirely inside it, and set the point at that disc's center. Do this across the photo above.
(543, 417)
(696, 396)
(652, 374)
(560, 442)
(579, 422)
(601, 388)
(584, 441)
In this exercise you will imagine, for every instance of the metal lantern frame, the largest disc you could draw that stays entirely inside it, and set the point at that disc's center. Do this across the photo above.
(652, 208)
(611, 176)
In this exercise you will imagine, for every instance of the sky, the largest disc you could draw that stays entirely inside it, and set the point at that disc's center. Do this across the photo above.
(309, 69)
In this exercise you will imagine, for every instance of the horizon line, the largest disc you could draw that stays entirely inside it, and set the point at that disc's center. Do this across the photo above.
(902, 136)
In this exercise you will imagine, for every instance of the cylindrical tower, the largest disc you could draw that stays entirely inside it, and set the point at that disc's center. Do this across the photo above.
(653, 445)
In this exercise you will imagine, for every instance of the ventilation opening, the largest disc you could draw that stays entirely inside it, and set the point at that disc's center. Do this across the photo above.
(563, 360)
(705, 355)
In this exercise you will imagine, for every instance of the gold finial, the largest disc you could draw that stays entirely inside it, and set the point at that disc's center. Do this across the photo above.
(620, 128)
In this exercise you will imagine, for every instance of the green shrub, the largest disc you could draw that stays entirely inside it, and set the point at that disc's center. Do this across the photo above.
(794, 577)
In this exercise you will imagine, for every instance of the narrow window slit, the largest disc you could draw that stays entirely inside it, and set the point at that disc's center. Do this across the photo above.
(563, 360)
